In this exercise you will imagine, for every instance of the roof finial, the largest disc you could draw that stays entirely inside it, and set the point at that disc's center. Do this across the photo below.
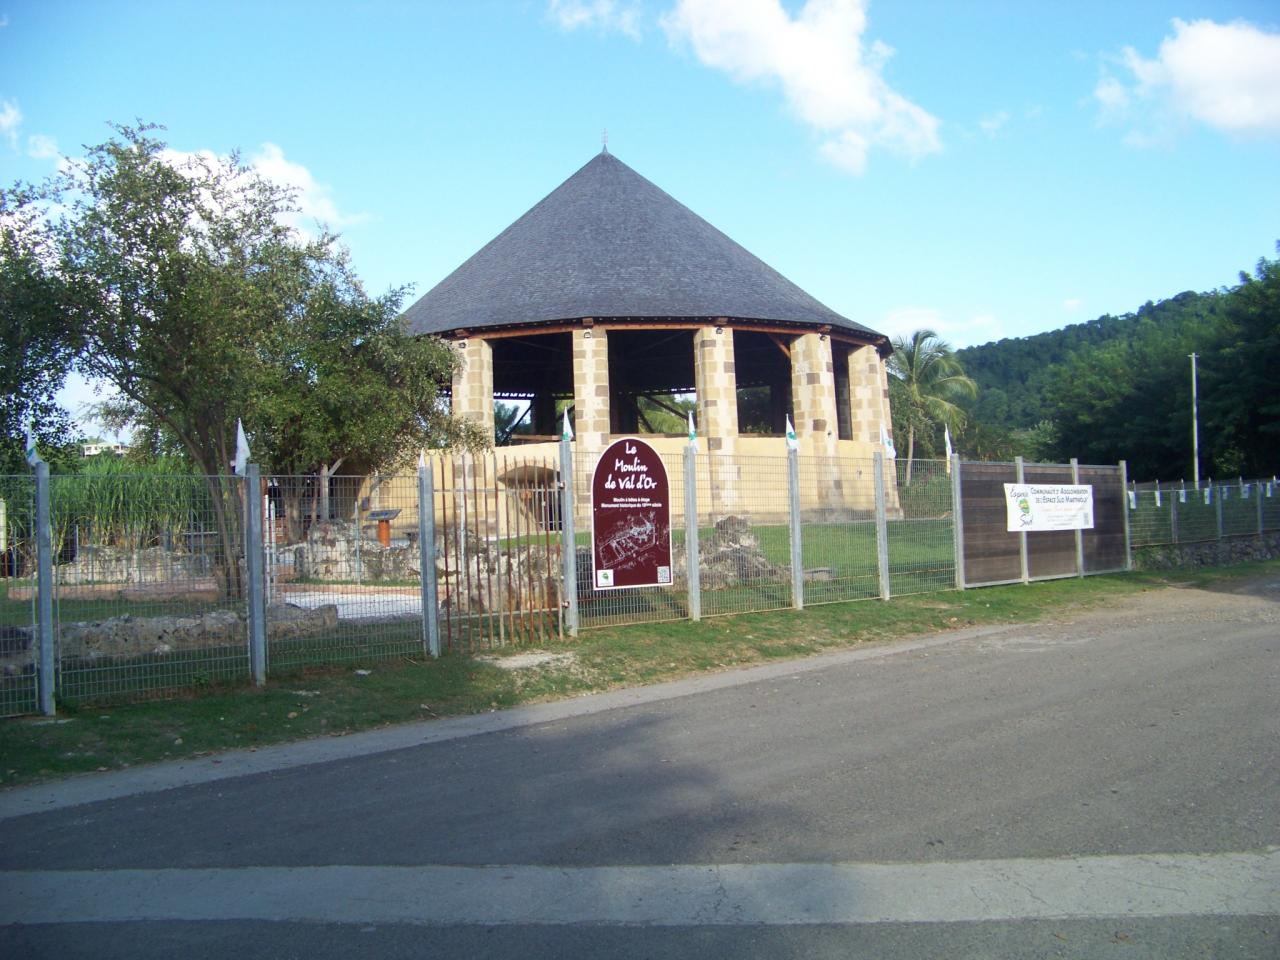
(604, 141)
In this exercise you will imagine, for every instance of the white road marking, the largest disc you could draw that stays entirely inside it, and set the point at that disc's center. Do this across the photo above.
(1221, 884)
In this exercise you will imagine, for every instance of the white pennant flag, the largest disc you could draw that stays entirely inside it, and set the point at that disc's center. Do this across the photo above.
(887, 443)
(242, 450)
(792, 442)
(566, 432)
(693, 433)
(946, 436)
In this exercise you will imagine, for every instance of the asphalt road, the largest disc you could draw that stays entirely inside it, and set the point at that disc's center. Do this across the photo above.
(1108, 786)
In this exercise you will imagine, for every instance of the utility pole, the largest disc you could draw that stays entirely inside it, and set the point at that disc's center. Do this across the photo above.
(1195, 426)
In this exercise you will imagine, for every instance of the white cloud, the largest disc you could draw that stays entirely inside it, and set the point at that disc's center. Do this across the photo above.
(606, 16)
(42, 147)
(830, 78)
(1224, 75)
(313, 199)
(1071, 304)
(991, 125)
(39, 146)
(10, 121)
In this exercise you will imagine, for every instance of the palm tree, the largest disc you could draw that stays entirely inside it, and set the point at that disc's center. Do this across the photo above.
(932, 380)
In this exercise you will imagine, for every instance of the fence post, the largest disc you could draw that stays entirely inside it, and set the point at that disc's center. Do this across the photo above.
(1075, 479)
(957, 519)
(568, 542)
(1124, 510)
(44, 589)
(1258, 485)
(1023, 560)
(254, 574)
(692, 556)
(882, 527)
(797, 553)
(427, 557)
(1173, 516)
(1217, 507)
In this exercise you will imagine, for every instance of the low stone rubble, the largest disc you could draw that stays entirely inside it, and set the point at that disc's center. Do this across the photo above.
(127, 636)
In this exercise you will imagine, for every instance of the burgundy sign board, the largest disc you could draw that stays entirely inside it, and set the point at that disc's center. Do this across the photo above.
(630, 518)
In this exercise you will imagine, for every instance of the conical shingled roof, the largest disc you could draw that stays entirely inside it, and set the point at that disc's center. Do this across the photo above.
(608, 243)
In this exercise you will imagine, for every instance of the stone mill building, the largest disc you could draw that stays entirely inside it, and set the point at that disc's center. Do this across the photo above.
(609, 290)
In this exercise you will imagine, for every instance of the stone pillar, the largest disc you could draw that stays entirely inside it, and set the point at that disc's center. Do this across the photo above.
(868, 396)
(591, 389)
(869, 403)
(472, 399)
(717, 387)
(472, 396)
(813, 393)
(717, 384)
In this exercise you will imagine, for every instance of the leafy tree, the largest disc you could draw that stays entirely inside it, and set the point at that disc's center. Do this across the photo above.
(1130, 398)
(37, 337)
(931, 385)
(1016, 377)
(200, 306)
(1241, 395)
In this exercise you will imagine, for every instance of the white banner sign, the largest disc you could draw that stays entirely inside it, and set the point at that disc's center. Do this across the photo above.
(1041, 506)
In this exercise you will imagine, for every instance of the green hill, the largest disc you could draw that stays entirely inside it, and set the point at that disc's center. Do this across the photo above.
(1119, 387)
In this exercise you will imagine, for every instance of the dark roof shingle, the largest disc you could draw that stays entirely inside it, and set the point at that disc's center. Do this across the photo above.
(608, 243)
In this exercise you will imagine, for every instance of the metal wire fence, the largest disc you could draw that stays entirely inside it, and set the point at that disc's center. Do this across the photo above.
(922, 555)
(744, 546)
(343, 588)
(144, 587)
(838, 530)
(1177, 513)
(18, 660)
(157, 589)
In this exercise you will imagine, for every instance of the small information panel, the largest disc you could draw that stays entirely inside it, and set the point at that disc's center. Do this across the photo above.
(1042, 506)
(630, 518)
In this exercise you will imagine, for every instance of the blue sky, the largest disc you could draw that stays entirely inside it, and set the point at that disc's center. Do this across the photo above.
(987, 169)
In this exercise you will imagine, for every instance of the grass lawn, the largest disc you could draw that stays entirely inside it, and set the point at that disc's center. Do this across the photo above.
(308, 701)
